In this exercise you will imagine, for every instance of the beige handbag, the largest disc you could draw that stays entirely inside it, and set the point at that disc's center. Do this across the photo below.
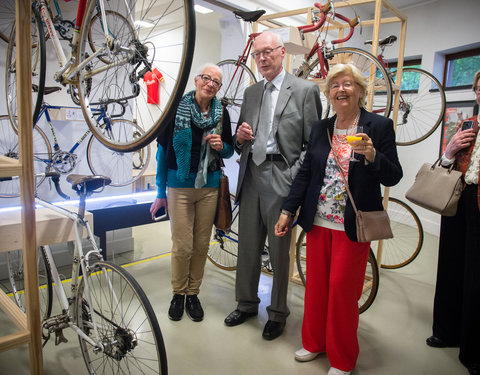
(371, 225)
(436, 188)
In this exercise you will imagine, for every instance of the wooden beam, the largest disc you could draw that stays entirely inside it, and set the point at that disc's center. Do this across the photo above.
(13, 311)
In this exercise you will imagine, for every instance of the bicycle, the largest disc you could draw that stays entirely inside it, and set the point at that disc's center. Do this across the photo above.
(422, 100)
(223, 252)
(118, 43)
(100, 159)
(106, 307)
(238, 76)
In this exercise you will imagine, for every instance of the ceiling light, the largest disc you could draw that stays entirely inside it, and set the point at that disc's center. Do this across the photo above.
(202, 10)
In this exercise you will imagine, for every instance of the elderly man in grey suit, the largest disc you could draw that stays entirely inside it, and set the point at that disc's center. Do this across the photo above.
(274, 127)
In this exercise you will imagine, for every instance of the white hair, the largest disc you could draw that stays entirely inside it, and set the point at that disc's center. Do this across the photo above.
(209, 65)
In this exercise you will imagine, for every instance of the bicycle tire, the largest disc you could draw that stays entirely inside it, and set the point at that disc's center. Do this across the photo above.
(115, 164)
(119, 87)
(407, 240)
(16, 276)
(364, 61)
(39, 64)
(236, 78)
(128, 328)
(421, 110)
(370, 283)
(42, 150)
(223, 249)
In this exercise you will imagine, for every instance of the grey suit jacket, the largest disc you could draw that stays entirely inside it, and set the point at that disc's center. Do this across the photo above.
(298, 106)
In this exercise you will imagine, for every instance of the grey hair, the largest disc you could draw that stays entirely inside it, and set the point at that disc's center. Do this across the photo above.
(276, 37)
(209, 65)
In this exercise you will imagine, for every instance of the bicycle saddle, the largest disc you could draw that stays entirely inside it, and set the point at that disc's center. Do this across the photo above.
(88, 183)
(47, 90)
(249, 16)
(383, 42)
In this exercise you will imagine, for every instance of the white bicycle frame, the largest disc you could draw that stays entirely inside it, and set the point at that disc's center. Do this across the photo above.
(79, 258)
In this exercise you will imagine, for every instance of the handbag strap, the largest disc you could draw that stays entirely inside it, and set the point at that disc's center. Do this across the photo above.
(341, 172)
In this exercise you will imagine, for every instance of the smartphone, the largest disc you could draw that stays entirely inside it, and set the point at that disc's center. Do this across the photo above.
(467, 125)
(161, 214)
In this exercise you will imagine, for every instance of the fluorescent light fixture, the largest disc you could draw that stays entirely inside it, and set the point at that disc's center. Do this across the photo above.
(202, 10)
(144, 24)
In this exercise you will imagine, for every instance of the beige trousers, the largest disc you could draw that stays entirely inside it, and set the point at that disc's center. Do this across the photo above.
(192, 212)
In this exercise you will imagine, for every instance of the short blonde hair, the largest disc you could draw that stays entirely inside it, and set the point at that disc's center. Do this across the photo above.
(475, 80)
(350, 69)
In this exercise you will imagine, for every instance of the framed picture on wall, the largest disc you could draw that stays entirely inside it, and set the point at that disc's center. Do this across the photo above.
(455, 113)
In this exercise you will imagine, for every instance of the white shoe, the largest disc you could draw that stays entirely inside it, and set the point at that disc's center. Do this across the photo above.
(303, 355)
(336, 371)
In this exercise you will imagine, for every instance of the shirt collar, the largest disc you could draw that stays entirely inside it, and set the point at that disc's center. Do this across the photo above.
(277, 81)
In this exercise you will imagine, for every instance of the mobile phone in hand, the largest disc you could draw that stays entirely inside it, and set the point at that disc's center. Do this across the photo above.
(161, 214)
(468, 124)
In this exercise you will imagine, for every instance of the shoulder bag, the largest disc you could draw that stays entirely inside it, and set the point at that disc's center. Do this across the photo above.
(371, 225)
(223, 215)
(436, 188)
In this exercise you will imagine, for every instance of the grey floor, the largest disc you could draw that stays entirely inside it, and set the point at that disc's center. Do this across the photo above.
(391, 333)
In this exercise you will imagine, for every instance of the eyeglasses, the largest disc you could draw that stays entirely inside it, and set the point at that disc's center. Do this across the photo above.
(345, 85)
(476, 89)
(266, 52)
(206, 79)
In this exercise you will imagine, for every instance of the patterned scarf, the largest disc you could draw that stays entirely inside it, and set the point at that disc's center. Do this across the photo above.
(462, 158)
(188, 110)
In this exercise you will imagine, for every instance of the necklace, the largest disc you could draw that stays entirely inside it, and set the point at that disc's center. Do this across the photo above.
(342, 138)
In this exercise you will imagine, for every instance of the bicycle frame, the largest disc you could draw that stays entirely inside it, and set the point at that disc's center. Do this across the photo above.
(81, 261)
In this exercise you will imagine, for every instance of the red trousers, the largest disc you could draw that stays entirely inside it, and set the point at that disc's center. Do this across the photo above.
(335, 274)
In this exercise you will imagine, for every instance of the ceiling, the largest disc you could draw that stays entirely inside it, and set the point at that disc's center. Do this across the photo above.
(224, 8)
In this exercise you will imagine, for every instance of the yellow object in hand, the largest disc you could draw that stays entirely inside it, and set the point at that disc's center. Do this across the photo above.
(353, 138)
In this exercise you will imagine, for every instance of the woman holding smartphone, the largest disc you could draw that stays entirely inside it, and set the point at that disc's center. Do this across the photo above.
(457, 295)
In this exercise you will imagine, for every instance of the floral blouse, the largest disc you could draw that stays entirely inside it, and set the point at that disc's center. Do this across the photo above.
(333, 195)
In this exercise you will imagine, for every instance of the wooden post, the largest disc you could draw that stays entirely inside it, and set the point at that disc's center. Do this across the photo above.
(27, 185)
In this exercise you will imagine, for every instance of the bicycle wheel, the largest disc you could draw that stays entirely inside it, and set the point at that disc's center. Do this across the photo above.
(112, 79)
(39, 64)
(16, 276)
(7, 19)
(370, 283)
(377, 78)
(421, 106)
(223, 250)
(130, 339)
(407, 239)
(9, 147)
(236, 78)
(115, 164)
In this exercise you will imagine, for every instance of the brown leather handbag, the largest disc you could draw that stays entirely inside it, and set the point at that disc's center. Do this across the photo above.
(371, 225)
(223, 216)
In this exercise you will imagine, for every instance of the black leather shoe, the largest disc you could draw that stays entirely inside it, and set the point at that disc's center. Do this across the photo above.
(273, 329)
(194, 308)
(175, 311)
(237, 317)
(435, 342)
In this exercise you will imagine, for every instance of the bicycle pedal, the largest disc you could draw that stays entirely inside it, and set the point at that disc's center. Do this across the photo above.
(59, 337)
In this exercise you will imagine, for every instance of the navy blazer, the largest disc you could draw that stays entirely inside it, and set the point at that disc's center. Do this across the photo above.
(364, 179)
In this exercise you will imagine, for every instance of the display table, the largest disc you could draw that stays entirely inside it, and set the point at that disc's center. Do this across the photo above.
(118, 213)
(51, 227)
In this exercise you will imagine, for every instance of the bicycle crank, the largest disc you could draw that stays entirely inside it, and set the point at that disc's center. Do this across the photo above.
(64, 162)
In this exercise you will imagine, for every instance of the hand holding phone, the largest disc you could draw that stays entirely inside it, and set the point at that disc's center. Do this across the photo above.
(161, 214)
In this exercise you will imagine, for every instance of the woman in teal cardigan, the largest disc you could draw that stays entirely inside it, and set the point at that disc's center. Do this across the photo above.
(189, 163)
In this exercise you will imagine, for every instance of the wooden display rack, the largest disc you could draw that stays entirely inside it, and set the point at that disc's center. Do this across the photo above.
(28, 324)
(396, 16)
